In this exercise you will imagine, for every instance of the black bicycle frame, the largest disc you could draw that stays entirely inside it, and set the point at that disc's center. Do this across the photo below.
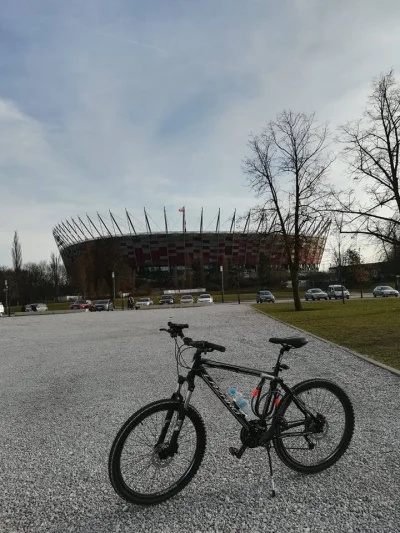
(199, 369)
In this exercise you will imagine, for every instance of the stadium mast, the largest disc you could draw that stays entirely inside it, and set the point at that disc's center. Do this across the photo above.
(232, 229)
(115, 222)
(95, 227)
(130, 225)
(86, 228)
(147, 222)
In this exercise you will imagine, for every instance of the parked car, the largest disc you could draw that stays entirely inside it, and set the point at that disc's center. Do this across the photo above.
(39, 307)
(1, 309)
(27, 308)
(265, 296)
(315, 294)
(384, 291)
(205, 299)
(81, 304)
(143, 302)
(336, 291)
(187, 299)
(166, 299)
(102, 305)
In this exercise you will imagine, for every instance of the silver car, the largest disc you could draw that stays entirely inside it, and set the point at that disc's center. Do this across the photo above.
(102, 305)
(143, 302)
(315, 294)
(384, 291)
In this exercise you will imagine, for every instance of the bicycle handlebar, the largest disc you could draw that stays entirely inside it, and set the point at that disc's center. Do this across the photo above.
(176, 330)
(203, 345)
(177, 326)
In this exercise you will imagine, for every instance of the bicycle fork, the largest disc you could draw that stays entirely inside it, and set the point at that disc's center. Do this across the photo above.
(172, 447)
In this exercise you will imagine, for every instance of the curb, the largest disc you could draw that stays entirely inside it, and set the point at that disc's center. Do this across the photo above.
(351, 352)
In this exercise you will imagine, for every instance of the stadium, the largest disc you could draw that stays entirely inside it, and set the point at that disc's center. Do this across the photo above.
(138, 252)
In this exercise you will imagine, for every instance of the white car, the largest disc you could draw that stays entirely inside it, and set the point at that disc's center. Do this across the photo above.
(1, 309)
(384, 291)
(39, 307)
(187, 299)
(337, 292)
(143, 302)
(315, 294)
(205, 299)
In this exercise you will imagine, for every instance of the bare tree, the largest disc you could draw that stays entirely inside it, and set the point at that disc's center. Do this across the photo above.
(55, 272)
(16, 253)
(287, 170)
(372, 149)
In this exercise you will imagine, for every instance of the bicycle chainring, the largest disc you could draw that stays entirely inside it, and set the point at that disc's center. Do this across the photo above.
(251, 438)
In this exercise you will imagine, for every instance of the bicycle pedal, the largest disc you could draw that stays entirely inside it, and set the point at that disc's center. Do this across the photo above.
(234, 452)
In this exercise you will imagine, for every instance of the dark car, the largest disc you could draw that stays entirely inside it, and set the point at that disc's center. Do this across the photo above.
(102, 305)
(27, 308)
(166, 299)
(265, 296)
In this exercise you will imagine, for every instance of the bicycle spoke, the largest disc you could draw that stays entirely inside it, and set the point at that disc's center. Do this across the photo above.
(148, 471)
(310, 447)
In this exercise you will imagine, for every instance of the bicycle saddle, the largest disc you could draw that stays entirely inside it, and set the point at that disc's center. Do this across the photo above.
(294, 342)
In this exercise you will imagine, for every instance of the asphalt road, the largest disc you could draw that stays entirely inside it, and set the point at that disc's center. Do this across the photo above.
(69, 381)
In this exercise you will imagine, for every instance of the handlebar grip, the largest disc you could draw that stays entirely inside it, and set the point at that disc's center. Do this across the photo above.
(178, 326)
(217, 347)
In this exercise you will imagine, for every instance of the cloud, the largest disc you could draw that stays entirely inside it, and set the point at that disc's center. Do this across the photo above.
(131, 104)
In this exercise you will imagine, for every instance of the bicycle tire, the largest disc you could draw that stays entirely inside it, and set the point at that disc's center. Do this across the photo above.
(116, 475)
(283, 451)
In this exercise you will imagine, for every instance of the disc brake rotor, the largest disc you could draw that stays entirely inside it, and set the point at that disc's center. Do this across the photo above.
(157, 460)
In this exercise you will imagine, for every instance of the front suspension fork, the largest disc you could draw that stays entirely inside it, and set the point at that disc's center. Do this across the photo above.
(184, 403)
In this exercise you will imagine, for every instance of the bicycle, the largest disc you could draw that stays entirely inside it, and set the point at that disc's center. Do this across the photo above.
(168, 437)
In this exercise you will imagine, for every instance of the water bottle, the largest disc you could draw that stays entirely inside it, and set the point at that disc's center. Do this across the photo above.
(241, 402)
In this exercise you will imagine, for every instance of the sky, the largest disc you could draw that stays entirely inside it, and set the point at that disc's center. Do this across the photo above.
(145, 104)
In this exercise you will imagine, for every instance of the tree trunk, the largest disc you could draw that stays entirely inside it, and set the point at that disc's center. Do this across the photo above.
(294, 274)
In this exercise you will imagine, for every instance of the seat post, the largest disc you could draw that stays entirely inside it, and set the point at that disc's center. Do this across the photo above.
(285, 348)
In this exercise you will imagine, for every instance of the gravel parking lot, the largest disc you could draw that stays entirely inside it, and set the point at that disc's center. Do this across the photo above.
(69, 381)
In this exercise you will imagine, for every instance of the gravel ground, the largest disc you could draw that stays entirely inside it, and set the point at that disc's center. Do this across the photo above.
(68, 382)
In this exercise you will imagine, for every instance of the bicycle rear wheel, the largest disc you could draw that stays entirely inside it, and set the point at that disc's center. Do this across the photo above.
(140, 470)
(309, 446)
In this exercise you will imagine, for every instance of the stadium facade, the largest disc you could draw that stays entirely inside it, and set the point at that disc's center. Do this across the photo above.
(105, 245)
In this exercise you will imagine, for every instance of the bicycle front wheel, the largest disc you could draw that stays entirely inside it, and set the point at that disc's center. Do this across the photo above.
(142, 468)
(309, 444)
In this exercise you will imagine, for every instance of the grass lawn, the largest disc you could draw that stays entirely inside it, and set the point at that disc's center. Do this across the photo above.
(370, 327)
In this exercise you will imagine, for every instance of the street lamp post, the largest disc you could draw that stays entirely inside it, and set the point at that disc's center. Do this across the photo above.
(6, 291)
(222, 283)
(238, 283)
(113, 286)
